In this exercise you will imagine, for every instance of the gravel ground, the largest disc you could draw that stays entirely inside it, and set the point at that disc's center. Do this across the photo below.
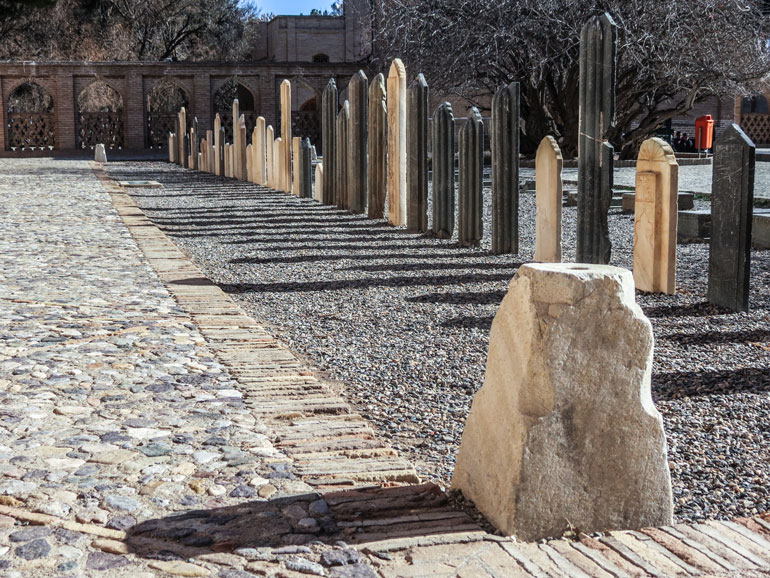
(402, 321)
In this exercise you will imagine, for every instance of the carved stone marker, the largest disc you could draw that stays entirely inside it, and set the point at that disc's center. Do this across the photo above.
(221, 149)
(341, 168)
(235, 149)
(732, 200)
(270, 139)
(470, 223)
(358, 162)
(182, 119)
(277, 162)
(286, 137)
(417, 156)
(195, 143)
(564, 430)
(397, 143)
(657, 178)
(305, 172)
(295, 160)
(241, 170)
(171, 145)
(319, 182)
(598, 47)
(260, 151)
(218, 145)
(548, 201)
(505, 170)
(100, 154)
(249, 162)
(443, 171)
(210, 151)
(329, 140)
(378, 148)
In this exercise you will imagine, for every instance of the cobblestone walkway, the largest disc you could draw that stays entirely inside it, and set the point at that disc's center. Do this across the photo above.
(148, 428)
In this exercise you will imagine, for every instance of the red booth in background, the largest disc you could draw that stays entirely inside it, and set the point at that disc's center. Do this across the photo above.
(704, 132)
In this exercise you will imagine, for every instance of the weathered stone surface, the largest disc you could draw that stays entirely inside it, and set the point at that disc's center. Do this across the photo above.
(548, 201)
(564, 428)
(250, 163)
(505, 170)
(378, 148)
(260, 151)
(358, 162)
(100, 154)
(732, 199)
(241, 156)
(277, 162)
(341, 168)
(657, 177)
(443, 130)
(195, 137)
(210, 151)
(318, 194)
(305, 188)
(329, 141)
(182, 130)
(286, 136)
(396, 99)
(598, 48)
(236, 144)
(270, 148)
(295, 164)
(218, 144)
(470, 223)
(417, 135)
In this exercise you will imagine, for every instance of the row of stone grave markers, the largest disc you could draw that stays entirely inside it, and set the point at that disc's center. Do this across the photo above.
(376, 147)
(282, 163)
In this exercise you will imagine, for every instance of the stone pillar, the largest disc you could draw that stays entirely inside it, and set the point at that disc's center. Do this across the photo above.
(250, 163)
(732, 200)
(182, 132)
(305, 172)
(217, 145)
(171, 147)
(444, 171)
(598, 47)
(329, 140)
(295, 181)
(277, 162)
(397, 143)
(260, 150)
(210, 151)
(564, 431)
(286, 138)
(358, 163)
(470, 225)
(236, 148)
(177, 134)
(187, 151)
(417, 157)
(228, 173)
(341, 178)
(253, 156)
(548, 201)
(319, 182)
(221, 149)
(195, 135)
(505, 170)
(657, 185)
(241, 156)
(378, 148)
(270, 152)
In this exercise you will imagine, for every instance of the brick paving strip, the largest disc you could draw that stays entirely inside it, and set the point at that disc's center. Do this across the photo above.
(327, 476)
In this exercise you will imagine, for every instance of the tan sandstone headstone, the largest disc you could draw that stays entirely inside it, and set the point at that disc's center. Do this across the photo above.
(249, 163)
(396, 98)
(242, 158)
(171, 146)
(564, 430)
(548, 200)
(235, 149)
(270, 148)
(286, 141)
(209, 151)
(217, 144)
(655, 222)
(277, 162)
(180, 137)
(295, 144)
(319, 183)
(259, 150)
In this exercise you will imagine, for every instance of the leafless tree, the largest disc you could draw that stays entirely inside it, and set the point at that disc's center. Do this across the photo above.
(671, 55)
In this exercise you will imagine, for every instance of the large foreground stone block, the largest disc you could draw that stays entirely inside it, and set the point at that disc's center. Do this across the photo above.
(564, 428)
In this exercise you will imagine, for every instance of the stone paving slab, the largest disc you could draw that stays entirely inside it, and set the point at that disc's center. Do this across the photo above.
(149, 428)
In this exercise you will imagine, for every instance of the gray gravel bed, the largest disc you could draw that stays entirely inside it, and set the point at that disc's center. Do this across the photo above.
(402, 321)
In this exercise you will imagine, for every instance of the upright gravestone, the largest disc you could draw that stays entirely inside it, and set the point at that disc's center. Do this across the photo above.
(470, 226)
(417, 157)
(397, 143)
(277, 162)
(218, 145)
(235, 149)
(286, 137)
(598, 47)
(195, 137)
(341, 179)
(329, 140)
(657, 174)
(319, 182)
(564, 432)
(295, 182)
(357, 157)
(269, 136)
(228, 168)
(253, 156)
(249, 162)
(210, 151)
(548, 201)
(177, 136)
(221, 149)
(505, 170)
(187, 150)
(171, 145)
(260, 150)
(732, 200)
(444, 171)
(378, 148)
(305, 163)
(241, 170)
(182, 132)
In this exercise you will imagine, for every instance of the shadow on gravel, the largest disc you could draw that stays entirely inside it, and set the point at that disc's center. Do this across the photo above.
(354, 516)
(755, 336)
(483, 297)
(701, 309)
(684, 384)
(469, 322)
